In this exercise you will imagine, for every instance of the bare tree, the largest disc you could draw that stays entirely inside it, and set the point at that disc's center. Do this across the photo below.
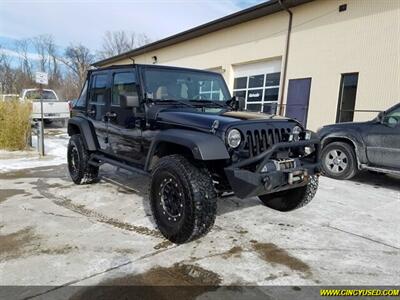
(78, 59)
(41, 43)
(22, 48)
(117, 42)
(7, 74)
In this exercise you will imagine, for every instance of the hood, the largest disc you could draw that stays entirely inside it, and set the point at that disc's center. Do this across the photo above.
(205, 121)
(346, 125)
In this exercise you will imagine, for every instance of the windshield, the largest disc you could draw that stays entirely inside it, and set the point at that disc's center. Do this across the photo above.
(175, 84)
(37, 95)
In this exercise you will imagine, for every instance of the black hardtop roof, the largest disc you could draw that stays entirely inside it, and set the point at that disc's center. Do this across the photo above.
(127, 66)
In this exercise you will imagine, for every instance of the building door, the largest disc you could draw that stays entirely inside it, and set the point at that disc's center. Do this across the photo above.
(258, 85)
(297, 99)
(347, 97)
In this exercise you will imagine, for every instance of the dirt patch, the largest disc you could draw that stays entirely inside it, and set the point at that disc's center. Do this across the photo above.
(125, 251)
(7, 193)
(233, 252)
(43, 188)
(164, 244)
(40, 172)
(181, 281)
(59, 251)
(15, 244)
(24, 243)
(275, 255)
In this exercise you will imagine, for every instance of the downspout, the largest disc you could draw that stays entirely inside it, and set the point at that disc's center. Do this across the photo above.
(285, 60)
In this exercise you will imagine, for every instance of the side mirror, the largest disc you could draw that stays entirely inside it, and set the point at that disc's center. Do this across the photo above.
(380, 117)
(129, 101)
(241, 104)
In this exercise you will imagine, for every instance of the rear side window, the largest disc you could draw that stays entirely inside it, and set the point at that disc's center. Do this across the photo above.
(82, 98)
(124, 84)
(98, 89)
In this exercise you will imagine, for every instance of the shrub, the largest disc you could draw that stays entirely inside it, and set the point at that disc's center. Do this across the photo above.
(14, 124)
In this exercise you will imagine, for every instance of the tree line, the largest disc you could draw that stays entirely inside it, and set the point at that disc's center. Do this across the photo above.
(66, 68)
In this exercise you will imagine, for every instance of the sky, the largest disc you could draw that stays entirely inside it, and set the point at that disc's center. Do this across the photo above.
(86, 21)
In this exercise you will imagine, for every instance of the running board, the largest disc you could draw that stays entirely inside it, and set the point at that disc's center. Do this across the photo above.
(380, 170)
(98, 160)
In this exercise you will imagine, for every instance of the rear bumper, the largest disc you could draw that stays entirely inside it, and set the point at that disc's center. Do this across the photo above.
(269, 176)
(52, 116)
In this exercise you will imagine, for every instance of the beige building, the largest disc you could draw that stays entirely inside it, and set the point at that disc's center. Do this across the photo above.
(321, 61)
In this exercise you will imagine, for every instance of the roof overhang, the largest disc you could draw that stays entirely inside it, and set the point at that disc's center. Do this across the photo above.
(251, 13)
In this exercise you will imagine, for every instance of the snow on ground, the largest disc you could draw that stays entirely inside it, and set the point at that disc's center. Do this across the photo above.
(55, 154)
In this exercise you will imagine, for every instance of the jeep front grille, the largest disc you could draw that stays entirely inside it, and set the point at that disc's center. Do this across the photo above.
(258, 141)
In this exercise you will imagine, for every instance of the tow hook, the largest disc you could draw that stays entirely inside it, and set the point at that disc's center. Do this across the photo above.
(298, 176)
(267, 182)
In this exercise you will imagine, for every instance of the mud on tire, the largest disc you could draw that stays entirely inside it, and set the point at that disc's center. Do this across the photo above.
(183, 200)
(80, 170)
(291, 199)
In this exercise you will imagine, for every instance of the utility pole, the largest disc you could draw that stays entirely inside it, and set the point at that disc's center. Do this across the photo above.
(41, 79)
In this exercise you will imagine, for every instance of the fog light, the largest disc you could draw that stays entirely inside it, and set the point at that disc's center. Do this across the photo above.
(308, 150)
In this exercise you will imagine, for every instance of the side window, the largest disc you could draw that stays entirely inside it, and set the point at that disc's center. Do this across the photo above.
(394, 113)
(81, 102)
(98, 89)
(124, 84)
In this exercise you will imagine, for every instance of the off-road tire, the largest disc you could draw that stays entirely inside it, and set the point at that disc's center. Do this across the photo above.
(291, 199)
(351, 169)
(80, 170)
(195, 193)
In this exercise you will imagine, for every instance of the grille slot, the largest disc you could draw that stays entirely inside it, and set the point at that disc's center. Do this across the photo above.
(260, 140)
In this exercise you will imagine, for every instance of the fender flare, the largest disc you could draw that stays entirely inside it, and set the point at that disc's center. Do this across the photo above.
(354, 138)
(87, 131)
(203, 146)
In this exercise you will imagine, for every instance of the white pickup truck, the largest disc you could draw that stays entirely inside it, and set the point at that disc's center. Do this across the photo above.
(53, 108)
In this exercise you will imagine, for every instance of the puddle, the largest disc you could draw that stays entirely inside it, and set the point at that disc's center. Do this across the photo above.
(181, 281)
(275, 255)
(7, 193)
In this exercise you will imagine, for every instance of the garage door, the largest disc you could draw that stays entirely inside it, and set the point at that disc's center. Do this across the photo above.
(258, 84)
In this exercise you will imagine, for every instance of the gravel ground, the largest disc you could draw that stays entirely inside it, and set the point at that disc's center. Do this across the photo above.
(54, 233)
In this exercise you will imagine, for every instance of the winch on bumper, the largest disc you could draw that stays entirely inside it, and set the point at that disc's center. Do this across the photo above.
(274, 173)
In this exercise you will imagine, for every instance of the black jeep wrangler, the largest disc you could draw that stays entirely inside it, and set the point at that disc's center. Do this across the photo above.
(182, 127)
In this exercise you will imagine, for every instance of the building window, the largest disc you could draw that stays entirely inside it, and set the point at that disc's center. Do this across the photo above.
(347, 97)
(211, 90)
(260, 91)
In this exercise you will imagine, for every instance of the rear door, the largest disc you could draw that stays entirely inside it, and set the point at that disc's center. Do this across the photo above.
(98, 105)
(125, 137)
(383, 141)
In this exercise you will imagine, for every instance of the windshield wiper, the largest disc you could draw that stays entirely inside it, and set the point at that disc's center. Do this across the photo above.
(169, 101)
(204, 101)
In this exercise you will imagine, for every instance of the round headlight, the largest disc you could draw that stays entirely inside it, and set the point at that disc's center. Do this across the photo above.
(296, 130)
(234, 138)
(295, 135)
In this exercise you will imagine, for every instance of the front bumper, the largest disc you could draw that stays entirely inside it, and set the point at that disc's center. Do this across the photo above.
(269, 177)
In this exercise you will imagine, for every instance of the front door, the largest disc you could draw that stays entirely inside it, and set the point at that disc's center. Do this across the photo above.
(383, 141)
(123, 132)
(98, 105)
(297, 99)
